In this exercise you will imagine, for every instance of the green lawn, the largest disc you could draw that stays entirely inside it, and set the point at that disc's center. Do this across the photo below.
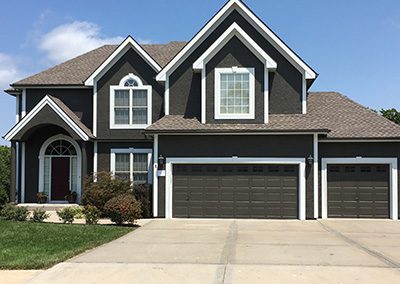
(27, 245)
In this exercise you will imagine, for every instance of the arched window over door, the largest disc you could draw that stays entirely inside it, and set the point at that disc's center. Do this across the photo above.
(60, 168)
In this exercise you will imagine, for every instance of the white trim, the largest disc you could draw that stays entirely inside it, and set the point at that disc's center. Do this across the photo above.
(17, 108)
(42, 156)
(235, 160)
(166, 97)
(255, 21)
(234, 30)
(130, 125)
(304, 95)
(217, 94)
(132, 151)
(358, 141)
(46, 101)
(203, 96)
(17, 170)
(95, 159)
(23, 172)
(315, 175)
(155, 176)
(23, 104)
(95, 108)
(50, 87)
(128, 43)
(130, 76)
(237, 133)
(266, 96)
(392, 162)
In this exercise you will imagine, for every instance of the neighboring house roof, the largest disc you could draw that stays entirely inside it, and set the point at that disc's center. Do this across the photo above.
(67, 115)
(75, 71)
(329, 112)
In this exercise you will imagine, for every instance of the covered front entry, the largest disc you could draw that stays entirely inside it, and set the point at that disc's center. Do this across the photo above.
(261, 188)
(60, 167)
(235, 191)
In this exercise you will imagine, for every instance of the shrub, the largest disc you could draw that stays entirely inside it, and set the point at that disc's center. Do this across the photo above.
(15, 213)
(142, 193)
(3, 197)
(68, 214)
(92, 214)
(39, 215)
(122, 209)
(105, 188)
(5, 171)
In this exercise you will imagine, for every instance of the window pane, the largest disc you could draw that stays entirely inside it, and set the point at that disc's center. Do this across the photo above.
(140, 177)
(122, 98)
(122, 163)
(74, 173)
(46, 177)
(122, 175)
(139, 98)
(235, 95)
(140, 162)
(139, 116)
(121, 115)
(131, 83)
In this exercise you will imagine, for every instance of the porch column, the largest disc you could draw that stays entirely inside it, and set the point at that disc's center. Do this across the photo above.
(84, 164)
(13, 187)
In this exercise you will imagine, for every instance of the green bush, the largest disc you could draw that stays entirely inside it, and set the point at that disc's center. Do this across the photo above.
(105, 188)
(123, 209)
(92, 214)
(15, 213)
(68, 214)
(5, 173)
(143, 194)
(39, 215)
(3, 197)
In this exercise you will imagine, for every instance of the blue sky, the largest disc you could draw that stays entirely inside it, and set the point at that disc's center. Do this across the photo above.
(353, 45)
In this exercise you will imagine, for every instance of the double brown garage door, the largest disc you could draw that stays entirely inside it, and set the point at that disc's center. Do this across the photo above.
(358, 191)
(235, 191)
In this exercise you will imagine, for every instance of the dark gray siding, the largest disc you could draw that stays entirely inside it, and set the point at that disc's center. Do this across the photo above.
(300, 146)
(351, 150)
(130, 62)
(235, 53)
(285, 85)
(104, 151)
(80, 101)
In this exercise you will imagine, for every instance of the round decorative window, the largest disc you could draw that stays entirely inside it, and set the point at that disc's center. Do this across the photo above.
(60, 148)
(131, 83)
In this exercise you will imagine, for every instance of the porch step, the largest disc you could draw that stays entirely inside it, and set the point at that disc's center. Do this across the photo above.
(47, 206)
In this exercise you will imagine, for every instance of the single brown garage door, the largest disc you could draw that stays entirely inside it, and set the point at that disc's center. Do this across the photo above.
(235, 191)
(358, 191)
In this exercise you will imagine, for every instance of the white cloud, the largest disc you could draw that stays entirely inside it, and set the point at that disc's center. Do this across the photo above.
(8, 70)
(72, 39)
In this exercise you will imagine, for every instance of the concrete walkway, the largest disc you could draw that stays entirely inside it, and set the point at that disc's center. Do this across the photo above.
(242, 251)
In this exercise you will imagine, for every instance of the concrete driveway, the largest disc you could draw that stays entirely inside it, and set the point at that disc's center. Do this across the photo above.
(242, 251)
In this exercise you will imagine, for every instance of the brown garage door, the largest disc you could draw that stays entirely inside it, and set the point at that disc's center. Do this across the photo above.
(235, 191)
(358, 191)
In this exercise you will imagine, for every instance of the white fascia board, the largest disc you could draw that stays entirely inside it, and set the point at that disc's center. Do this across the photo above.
(255, 21)
(234, 30)
(46, 101)
(129, 42)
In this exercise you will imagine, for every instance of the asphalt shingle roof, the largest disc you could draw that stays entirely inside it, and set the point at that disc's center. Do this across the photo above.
(328, 112)
(75, 71)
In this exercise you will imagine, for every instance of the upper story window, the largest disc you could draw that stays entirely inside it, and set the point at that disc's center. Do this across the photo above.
(130, 104)
(234, 93)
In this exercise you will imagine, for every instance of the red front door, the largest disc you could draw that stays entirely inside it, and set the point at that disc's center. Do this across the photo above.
(59, 178)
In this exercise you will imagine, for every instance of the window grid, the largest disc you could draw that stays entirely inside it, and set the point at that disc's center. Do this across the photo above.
(132, 166)
(235, 95)
(130, 106)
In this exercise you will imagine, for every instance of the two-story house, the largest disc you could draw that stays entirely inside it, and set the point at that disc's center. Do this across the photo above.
(222, 126)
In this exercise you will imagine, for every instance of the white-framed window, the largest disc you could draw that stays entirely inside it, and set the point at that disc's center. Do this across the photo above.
(132, 164)
(130, 104)
(234, 93)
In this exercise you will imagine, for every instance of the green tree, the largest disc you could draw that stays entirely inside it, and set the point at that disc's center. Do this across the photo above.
(5, 174)
(391, 114)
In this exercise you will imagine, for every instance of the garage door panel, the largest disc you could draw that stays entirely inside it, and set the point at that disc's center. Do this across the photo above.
(236, 191)
(358, 191)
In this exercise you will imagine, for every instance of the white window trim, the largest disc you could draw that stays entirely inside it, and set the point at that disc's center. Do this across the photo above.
(217, 93)
(79, 164)
(132, 151)
(234, 160)
(155, 176)
(112, 104)
(392, 162)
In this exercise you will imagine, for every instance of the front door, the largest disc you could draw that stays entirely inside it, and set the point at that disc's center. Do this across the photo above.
(59, 178)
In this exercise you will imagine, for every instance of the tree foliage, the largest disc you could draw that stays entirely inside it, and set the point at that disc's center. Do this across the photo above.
(391, 114)
(5, 173)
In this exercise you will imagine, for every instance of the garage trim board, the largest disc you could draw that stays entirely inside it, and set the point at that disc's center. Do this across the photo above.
(235, 160)
(392, 162)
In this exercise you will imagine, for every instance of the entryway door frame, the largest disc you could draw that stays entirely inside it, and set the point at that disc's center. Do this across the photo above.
(235, 160)
(393, 180)
(79, 164)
